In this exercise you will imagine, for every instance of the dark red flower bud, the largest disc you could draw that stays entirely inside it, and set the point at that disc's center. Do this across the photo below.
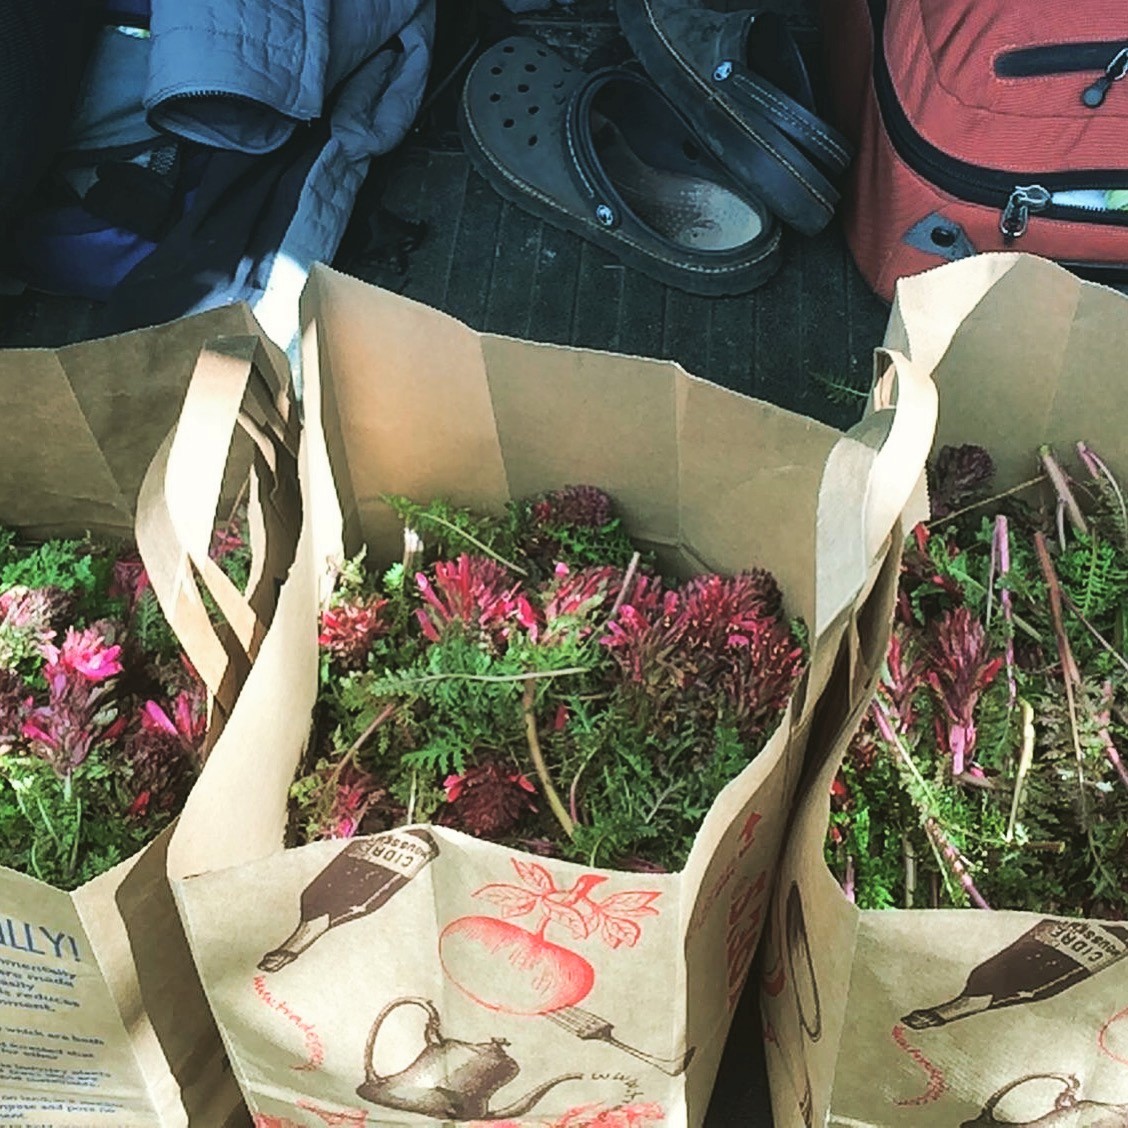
(487, 800)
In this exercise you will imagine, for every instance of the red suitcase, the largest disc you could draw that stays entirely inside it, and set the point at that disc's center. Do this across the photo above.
(982, 125)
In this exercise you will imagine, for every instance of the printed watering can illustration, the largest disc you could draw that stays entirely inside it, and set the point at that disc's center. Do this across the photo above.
(449, 1080)
(1068, 1111)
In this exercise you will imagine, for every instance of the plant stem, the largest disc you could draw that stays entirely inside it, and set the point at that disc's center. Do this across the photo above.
(528, 700)
(476, 543)
(240, 497)
(947, 857)
(564, 670)
(986, 501)
(1093, 631)
(1070, 674)
(1106, 737)
(942, 869)
(72, 864)
(628, 578)
(1101, 473)
(1025, 759)
(412, 550)
(412, 796)
(355, 747)
(885, 727)
(952, 856)
(1061, 488)
(573, 807)
(657, 806)
(1000, 554)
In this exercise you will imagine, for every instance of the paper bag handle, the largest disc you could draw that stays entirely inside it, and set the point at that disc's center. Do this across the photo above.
(233, 386)
(886, 452)
(898, 384)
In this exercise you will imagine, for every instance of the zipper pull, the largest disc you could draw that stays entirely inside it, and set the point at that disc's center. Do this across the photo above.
(1094, 95)
(1022, 201)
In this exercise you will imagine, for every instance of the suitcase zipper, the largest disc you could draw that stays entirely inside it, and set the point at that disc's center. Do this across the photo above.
(1111, 57)
(1016, 214)
(1094, 95)
(1017, 194)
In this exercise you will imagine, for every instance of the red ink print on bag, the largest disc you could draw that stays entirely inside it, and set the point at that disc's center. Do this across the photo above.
(1103, 1038)
(773, 981)
(745, 916)
(720, 883)
(937, 1084)
(505, 967)
(511, 969)
(313, 1044)
(639, 1115)
(351, 1118)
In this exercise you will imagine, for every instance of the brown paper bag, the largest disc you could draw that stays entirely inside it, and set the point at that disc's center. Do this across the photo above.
(369, 982)
(102, 1021)
(1029, 1010)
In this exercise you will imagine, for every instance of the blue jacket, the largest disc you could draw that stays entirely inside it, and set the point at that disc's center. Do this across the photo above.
(240, 74)
(243, 74)
(239, 81)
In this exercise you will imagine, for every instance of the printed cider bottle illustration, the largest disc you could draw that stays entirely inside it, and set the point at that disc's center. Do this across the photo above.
(1050, 958)
(358, 881)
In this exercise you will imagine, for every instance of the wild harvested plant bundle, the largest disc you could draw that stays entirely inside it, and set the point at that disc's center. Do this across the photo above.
(102, 718)
(533, 680)
(989, 769)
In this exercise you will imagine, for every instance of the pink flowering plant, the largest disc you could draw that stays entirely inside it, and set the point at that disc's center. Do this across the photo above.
(988, 771)
(102, 720)
(532, 679)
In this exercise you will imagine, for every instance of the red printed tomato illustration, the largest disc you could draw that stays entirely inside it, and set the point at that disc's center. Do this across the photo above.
(507, 968)
(516, 970)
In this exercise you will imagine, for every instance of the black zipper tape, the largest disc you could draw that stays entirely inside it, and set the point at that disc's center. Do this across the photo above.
(1058, 58)
(977, 184)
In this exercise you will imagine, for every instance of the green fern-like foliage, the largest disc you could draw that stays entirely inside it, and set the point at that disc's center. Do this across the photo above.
(448, 530)
(78, 567)
(1094, 576)
(150, 628)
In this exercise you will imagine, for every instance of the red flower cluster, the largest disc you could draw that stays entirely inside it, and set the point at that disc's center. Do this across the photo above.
(27, 620)
(64, 730)
(14, 703)
(162, 750)
(349, 628)
(130, 580)
(959, 475)
(717, 636)
(576, 507)
(226, 539)
(959, 670)
(573, 598)
(356, 791)
(488, 800)
(473, 591)
(918, 571)
(573, 507)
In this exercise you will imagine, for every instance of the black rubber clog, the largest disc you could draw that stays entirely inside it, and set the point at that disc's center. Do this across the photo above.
(741, 82)
(607, 156)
